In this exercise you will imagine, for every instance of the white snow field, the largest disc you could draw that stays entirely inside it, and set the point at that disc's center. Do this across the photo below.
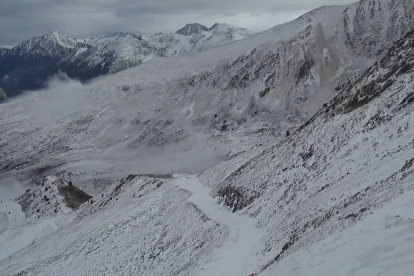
(381, 244)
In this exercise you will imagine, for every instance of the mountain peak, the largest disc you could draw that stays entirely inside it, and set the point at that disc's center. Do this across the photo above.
(62, 40)
(215, 26)
(223, 27)
(193, 28)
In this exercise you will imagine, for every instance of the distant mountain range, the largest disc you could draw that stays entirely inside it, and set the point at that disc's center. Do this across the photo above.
(28, 65)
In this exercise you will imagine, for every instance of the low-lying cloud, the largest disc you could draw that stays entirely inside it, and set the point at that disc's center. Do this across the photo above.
(91, 133)
(62, 97)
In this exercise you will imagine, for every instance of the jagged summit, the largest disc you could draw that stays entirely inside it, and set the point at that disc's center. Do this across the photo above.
(191, 29)
(53, 45)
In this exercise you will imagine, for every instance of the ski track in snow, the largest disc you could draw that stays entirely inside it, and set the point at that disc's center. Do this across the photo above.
(236, 256)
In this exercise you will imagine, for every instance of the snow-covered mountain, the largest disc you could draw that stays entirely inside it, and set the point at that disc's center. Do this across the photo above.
(336, 195)
(216, 103)
(29, 64)
(190, 29)
(113, 52)
(53, 46)
(353, 161)
(25, 66)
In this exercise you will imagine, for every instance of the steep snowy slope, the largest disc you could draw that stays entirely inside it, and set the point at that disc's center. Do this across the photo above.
(352, 158)
(107, 53)
(36, 213)
(138, 226)
(55, 45)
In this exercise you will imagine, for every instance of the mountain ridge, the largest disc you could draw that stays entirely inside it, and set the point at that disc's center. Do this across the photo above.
(192, 28)
(28, 65)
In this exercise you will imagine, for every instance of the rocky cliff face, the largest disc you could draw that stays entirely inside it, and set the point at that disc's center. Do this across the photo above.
(3, 95)
(190, 29)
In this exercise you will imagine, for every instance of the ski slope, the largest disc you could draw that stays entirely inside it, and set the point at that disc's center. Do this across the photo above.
(236, 256)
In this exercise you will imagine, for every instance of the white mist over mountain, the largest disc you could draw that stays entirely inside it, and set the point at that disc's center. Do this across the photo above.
(61, 98)
(11, 188)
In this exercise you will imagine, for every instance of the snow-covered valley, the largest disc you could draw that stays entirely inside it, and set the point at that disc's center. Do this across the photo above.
(300, 140)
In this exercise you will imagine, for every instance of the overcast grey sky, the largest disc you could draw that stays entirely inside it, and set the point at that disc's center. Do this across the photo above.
(23, 19)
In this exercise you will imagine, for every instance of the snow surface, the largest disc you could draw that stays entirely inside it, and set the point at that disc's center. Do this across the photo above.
(381, 244)
(11, 215)
(15, 239)
(237, 255)
(138, 226)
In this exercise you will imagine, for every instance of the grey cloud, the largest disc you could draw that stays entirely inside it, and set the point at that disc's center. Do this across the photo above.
(22, 19)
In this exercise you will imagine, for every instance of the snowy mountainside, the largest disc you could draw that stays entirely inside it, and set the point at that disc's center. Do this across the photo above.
(119, 51)
(354, 157)
(139, 225)
(54, 45)
(50, 197)
(104, 54)
(23, 67)
(222, 101)
(342, 184)
(177, 44)
(87, 58)
(37, 213)
(335, 195)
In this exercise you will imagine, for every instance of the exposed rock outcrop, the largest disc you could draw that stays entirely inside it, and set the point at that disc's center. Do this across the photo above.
(3, 95)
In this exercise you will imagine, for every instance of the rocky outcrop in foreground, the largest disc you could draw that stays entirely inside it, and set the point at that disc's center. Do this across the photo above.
(3, 95)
